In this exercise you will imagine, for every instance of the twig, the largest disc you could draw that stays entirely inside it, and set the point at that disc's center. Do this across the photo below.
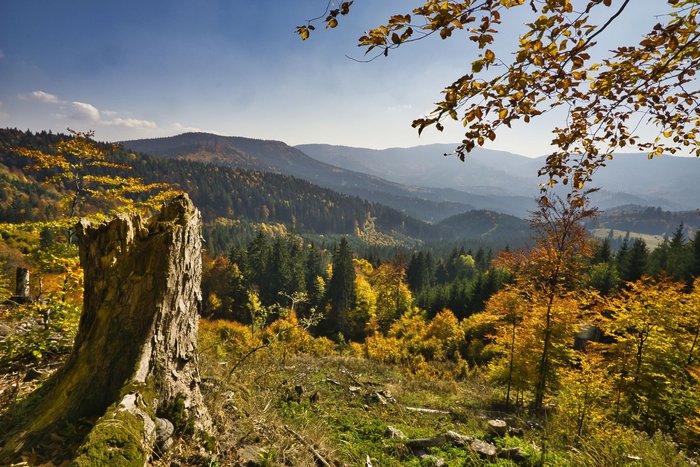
(313, 450)
(424, 410)
(333, 382)
(345, 371)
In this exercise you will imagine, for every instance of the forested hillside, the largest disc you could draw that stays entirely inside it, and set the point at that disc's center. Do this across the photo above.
(263, 197)
(431, 202)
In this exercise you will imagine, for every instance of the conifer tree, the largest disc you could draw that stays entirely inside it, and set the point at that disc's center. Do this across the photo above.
(258, 256)
(277, 274)
(341, 289)
(695, 268)
(636, 262)
(678, 265)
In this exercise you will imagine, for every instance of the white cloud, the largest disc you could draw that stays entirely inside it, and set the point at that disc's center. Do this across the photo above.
(400, 108)
(131, 123)
(41, 96)
(83, 111)
(180, 128)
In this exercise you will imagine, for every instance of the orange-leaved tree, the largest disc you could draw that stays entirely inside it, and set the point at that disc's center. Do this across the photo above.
(550, 273)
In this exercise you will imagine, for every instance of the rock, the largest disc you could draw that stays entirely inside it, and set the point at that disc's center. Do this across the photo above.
(392, 432)
(422, 443)
(354, 389)
(497, 428)
(164, 434)
(516, 432)
(483, 448)
(433, 461)
(313, 398)
(387, 396)
(250, 456)
(534, 425)
(5, 330)
(375, 398)
(514, 454)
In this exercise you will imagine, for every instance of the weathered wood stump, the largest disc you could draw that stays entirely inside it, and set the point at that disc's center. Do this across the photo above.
(135, 354)
(21, 295)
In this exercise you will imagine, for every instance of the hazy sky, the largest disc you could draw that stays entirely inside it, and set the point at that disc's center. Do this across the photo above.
(138, 69)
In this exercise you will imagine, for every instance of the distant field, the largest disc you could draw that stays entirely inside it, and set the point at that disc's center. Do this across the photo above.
(652, 241)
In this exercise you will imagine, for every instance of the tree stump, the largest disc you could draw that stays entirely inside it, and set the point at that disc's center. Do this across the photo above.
(21, 295)
(135, 354)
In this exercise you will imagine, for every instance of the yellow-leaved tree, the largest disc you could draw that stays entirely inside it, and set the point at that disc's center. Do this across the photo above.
(85, 172)
(652, 354)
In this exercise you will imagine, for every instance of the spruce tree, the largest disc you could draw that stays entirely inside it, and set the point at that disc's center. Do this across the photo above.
(341, 289)
(602, 253)
(636, 261)
(695, 269)
(679, 263)
(258, 256)
(278, 274)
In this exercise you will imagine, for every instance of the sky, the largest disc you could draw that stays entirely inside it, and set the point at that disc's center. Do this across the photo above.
(143, 69)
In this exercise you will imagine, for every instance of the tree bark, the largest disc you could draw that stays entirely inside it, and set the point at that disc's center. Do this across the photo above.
(135, 354)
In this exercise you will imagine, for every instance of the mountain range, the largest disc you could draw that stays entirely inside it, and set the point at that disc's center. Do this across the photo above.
(668, 182)
(270, 182)
(431, 204)
(424, 183)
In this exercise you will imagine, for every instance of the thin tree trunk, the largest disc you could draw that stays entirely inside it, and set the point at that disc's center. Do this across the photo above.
(510, 365)
(544, 360)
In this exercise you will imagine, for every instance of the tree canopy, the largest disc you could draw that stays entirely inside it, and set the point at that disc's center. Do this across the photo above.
(648, 85)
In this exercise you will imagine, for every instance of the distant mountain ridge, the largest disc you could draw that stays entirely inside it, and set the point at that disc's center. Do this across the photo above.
(235, 193)
(426, 203)
(669, 182)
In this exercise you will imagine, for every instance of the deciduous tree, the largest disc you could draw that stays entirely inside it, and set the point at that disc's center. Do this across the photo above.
(553, 65)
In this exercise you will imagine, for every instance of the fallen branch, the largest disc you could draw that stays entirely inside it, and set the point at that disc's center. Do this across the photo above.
(333, 382)
(422, 443)
(424, 410)
(451, 437)
(345, 371)
(310, 446)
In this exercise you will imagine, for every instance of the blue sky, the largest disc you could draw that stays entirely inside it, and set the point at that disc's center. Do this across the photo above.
(139, 69)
